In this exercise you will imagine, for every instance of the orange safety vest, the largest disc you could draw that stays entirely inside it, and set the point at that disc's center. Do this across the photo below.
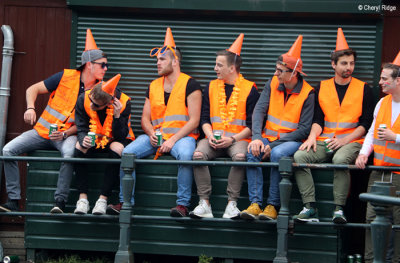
(60, 108)
(341, 119)
(172, 117)
(284, 117)
(123, 99)
(239, 121)
(386, 153)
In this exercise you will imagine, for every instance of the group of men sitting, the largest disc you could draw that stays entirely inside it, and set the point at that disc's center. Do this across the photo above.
(334, 121)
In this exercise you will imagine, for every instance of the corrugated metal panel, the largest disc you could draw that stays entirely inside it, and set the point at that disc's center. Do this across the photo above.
(128, 41)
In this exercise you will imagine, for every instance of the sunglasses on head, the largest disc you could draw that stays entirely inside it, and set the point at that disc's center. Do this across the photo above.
(102, 64)
(155, 51)
(94, 104)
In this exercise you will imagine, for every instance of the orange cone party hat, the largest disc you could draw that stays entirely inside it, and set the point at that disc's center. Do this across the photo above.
(237, 45)
(90, 43)
(341, 43)
(169, 39)
(110, 85)
(396, 61)
(292, 59)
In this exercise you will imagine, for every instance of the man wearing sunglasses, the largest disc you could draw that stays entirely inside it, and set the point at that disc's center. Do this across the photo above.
(64, 87)
(227, 107)
(343, 113)
(287, 104)
(172, 106)
(105, 111)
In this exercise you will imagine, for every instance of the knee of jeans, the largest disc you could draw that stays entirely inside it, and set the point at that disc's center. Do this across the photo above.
(339, 159)
(199, 156)
(251, 158)
(300, 156)
(239, 157)
(7, 151)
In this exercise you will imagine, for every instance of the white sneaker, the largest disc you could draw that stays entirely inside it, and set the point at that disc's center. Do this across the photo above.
(82, 206)
(231, 210)
(100, 207)
(202, 210)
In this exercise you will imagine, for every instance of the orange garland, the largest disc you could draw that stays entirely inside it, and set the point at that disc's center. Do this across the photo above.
(107, 127)
(231, 108)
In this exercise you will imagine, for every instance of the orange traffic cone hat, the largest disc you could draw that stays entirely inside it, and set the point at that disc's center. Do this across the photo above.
(396, 61)
(292, 59)
(110, 85)
(169, 39)
(341, 43)
(90, 43)
(237, 45)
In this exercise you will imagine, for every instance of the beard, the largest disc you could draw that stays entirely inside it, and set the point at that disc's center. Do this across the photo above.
(166, 71)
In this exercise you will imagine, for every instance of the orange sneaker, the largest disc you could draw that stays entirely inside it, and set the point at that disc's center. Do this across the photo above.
(269, 213)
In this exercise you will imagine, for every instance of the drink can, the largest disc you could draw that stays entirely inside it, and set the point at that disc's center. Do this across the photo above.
(326, 142)
(53, 127)
(159, 138)
(382, 126)
(350, 259)
(11, 259)
(358, 258)
(217, 135)
(92, 135)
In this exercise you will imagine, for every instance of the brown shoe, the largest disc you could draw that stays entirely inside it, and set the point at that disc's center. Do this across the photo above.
(251, 212)
(269, 213)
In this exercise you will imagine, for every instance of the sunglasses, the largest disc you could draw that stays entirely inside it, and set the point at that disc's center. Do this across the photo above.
(96, 105)
(155, 51)
(102, 64)
(280, 71)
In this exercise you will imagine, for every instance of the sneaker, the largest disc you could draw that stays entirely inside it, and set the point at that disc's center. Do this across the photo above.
(231, 210)
(82, 206)
(114, 209)
(338, 217)
(179, 211)
(269, 213)
(59, 207)
(307, 215)
(100, 207)
(251, 212)
(9, 206)
(202, 210)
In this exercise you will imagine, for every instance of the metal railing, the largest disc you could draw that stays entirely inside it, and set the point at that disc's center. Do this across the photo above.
(283, 222)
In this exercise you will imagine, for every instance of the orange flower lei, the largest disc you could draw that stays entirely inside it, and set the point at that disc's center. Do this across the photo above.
(231, 108)
(107, 127)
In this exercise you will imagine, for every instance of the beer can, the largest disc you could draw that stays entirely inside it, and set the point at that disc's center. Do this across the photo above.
(11, 259)
(350, 259)
(326, 142)
(53, 127)
(159, 138)
(358, 258)
(92, 135)
(382, 126)
(217, 135)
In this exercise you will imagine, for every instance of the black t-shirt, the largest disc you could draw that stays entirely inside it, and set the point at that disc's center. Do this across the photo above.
(191, 86)
(52, 82)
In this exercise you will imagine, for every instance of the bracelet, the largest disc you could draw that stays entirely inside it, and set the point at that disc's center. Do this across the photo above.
(31, 108)
(233, 139)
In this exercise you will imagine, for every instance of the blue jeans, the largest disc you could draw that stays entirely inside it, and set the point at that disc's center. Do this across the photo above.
(182, 150)
(30, 141)
(255, 177)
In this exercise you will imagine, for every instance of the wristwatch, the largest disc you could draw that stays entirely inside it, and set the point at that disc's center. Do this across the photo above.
(64, 135)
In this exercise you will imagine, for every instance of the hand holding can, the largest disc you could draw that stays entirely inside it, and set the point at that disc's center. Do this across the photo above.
(53, 128)
(217, 136)
(326, 142)
(159, 137)
(92, 135)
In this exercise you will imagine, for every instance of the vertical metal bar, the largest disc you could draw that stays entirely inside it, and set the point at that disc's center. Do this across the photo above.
(124, 253)
(8, 52)
(282, 225)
